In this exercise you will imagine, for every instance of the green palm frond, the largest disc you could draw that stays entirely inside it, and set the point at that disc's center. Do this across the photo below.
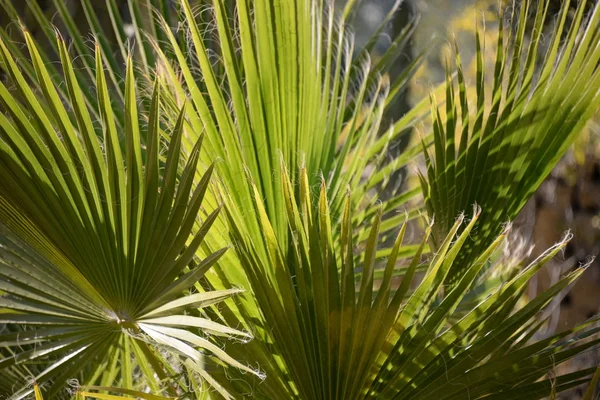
(498, 155)
(248, 97)
(388, 340)
(292, 63)
(328, 335)
(318, 101)
(108, 191)
(96, 241)
(286, 85)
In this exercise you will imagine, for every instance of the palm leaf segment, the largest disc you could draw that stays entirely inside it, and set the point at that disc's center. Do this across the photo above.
(540, 100)
(95, 242)
(342, 339)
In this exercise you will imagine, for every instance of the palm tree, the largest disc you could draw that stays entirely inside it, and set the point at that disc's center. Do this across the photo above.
(110, 212)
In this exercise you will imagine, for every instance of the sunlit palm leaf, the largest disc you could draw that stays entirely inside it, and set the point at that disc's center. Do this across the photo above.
(94, 240)
(498, 155)
(311, 101)
(250, 97)
(284, 84)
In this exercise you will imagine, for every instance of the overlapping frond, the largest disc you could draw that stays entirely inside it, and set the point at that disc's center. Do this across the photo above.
(390, 339)
(261, 83)
(251, 75)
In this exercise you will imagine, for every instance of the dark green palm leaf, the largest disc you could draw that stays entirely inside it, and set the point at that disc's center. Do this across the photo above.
(341, 340)
(95, 239)
(498, 155)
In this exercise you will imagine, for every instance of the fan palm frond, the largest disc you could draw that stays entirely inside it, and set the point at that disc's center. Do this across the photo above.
(98, 245)
(406, 340)
(498, 155)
